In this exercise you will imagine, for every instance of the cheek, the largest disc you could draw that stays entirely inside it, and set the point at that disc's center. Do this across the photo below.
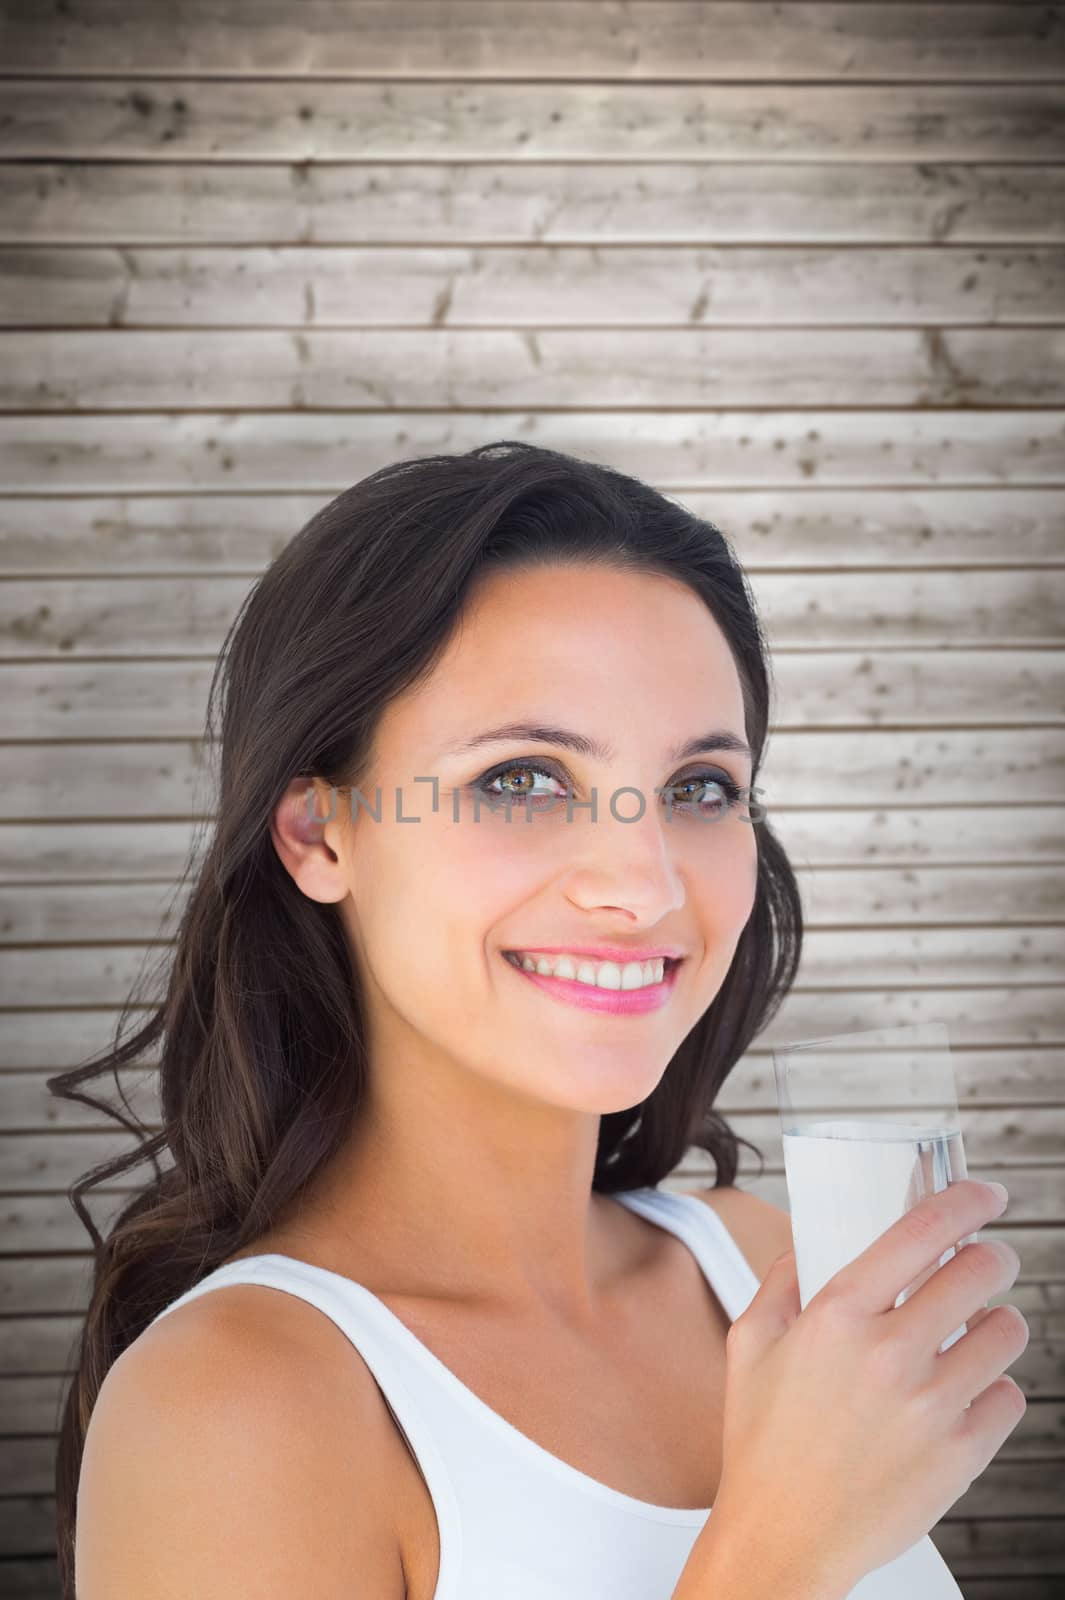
(724, 872)
(447, 884)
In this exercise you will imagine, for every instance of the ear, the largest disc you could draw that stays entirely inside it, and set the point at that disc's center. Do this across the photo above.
(304, 820)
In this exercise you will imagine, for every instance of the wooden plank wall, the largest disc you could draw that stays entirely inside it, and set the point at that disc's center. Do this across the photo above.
(799, 264)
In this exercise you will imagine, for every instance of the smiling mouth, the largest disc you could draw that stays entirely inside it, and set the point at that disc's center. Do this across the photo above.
(604, 976)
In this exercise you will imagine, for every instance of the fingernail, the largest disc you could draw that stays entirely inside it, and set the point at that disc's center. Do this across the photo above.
(999, 1190)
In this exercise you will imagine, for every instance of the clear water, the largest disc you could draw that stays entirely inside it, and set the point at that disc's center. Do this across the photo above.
(850, 1179)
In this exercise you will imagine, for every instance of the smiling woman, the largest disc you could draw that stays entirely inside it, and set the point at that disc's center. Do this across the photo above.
(424, 1065)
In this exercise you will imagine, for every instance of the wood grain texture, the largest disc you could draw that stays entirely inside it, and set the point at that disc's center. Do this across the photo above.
(843, 530)
(161, 778)
(291, 451)
(624, 287)
(492, 39)
(457, 370)
(195, 119)
(839, 953)
(144, 616)
(799, 265)
(664, 203)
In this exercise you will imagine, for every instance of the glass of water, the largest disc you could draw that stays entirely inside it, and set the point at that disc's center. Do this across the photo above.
(870, 1126)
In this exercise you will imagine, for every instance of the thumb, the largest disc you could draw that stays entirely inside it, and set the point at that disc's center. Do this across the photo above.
(775, 1304)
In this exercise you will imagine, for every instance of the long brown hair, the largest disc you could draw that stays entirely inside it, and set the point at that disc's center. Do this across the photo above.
(260, 1034)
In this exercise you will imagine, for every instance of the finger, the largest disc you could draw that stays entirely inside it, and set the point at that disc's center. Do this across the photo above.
(956, 1291)
(773, 1308)
(916, 1242)
(982, 1428)
(980, 1356)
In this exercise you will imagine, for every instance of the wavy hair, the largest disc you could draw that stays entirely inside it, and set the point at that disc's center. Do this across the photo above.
(260, 1031)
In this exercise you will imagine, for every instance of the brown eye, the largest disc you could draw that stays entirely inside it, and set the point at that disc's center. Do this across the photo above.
(524, 789)
(711, 791)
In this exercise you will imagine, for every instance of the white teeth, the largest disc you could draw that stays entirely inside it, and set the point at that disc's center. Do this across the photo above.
(598, 974)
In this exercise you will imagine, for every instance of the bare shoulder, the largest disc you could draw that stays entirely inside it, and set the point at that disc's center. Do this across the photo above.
(230, 1443)
(762, 1230)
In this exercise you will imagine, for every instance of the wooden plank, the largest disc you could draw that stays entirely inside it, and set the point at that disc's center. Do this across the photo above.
(53, 1160)
(32, 1404)
(27, 1526)
(48, 1344)
(817, 839)
(853, 924)
(705, 449)
(166, 778)
(1023, 1547)
(1019, 1137)
(142, 698)
(452, 369)
(122, 119)
(57, 1285)
(487, 39)
(903, 899)
(500, 286)
(1005, 1548)
(986, 1018)
(1009, 1587)
(1006, 1078)
(273, 452)
(1012, 1020)
(906, 528)
(27, 1466)
(35, 1578)
(905, 960)
(146, 698)
(48, 1222)
(1015, 1548)
(1008, 1545)
(142, 615)
(178, 775)
(1037, 1195)
(91, 616)
(41, 1042)
(53, 536)
(908, 836)
(1015, 1134)
(48, 1285)
(505, 202)
(888, 955)
(27, 1104)
(138, 850)
(1007, 1082)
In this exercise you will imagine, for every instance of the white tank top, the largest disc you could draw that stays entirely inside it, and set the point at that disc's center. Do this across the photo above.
(513, 1519)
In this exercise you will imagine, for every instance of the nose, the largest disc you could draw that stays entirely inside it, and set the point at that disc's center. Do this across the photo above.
(626, 866)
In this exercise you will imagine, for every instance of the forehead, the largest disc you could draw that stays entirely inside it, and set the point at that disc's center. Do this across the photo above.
(626, 649)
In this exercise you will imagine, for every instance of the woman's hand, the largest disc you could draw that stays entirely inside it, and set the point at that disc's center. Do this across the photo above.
(847, 1435)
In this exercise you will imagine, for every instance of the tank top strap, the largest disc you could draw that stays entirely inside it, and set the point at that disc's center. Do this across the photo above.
(724, 1265)
(373, 1331)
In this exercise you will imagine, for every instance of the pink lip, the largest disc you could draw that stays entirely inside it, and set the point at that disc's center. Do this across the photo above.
(618, 1002)
(605, 952)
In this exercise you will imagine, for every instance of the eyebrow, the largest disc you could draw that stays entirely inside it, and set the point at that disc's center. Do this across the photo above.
(540, 733)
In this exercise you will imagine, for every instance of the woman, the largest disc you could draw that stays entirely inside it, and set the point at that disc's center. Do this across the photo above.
(485, 922)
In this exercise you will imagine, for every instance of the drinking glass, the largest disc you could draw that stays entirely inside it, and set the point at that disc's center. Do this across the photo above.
(870, 1126)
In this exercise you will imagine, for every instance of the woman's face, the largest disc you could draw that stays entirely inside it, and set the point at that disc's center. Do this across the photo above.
(631, 661)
